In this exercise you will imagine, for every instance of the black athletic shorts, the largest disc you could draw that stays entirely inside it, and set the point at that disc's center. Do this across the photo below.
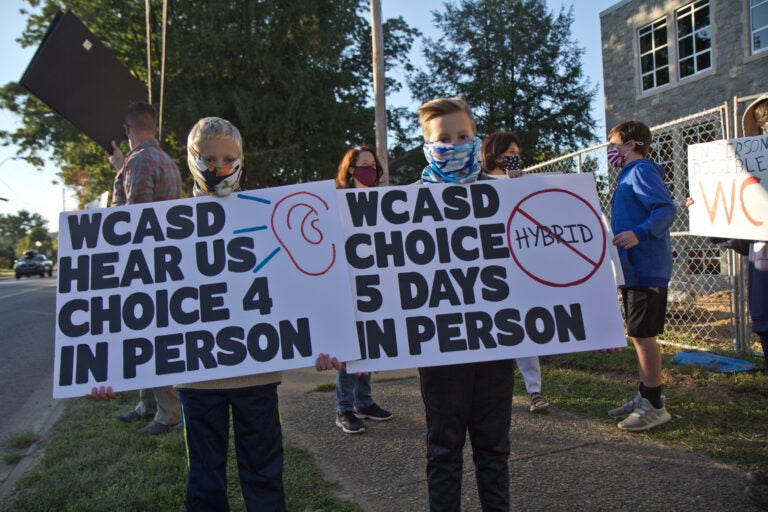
(645, 310)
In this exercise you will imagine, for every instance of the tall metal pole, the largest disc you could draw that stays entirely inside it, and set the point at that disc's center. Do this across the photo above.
(378, 89)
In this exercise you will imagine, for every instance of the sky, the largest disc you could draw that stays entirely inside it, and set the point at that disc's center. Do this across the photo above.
(39, 190)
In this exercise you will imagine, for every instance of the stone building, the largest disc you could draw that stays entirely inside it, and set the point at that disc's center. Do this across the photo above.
(687, 69)
(667, 59)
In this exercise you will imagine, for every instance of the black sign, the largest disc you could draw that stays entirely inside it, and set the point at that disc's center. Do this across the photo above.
(78, 77)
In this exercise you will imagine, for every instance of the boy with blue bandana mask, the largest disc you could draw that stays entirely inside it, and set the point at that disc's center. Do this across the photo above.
(474, 397)
(451, 145)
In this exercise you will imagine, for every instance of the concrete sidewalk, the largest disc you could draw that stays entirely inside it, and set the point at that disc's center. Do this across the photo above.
(558, 462)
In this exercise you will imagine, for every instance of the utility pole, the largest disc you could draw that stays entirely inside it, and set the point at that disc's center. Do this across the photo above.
(378, 89)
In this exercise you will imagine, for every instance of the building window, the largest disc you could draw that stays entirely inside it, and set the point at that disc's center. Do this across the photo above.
(758, 18)
(694, 38)
(654, 55)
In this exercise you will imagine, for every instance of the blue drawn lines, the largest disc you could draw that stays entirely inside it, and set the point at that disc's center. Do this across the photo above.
(266, 260)
(254, 229)
(249, 230)
(254, 198)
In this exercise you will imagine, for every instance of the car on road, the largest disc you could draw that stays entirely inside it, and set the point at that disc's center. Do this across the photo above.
(33, 263)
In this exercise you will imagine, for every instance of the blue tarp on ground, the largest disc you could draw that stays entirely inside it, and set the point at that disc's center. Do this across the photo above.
(714, 362)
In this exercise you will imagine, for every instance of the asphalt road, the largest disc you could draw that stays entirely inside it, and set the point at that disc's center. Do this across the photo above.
(27, 322)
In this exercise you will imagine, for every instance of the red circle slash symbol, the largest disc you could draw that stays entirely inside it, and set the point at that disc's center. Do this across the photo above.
(556, 237)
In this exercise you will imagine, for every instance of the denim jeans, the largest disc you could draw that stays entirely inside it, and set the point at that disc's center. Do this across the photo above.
(352, 390)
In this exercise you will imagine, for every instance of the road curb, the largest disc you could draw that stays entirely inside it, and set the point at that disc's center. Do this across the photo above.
(41, 429)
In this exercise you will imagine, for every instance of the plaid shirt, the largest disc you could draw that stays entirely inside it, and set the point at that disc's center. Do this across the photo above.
(148, 174)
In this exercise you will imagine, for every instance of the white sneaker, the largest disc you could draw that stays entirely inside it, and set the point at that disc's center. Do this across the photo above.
(626, 408)
(644, 417)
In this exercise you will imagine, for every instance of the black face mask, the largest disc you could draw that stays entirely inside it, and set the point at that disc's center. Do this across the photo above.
(211, 180)
(511, 163)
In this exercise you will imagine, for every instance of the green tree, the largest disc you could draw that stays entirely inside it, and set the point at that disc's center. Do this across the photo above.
(38, 239)
(14, 228)
(518, 68)
(294, 76)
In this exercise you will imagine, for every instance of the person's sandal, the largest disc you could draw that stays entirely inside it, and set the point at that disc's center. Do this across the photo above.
(538, 403)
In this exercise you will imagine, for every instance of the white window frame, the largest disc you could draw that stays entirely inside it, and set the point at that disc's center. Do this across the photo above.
(652, 28)
(753, 5)
(690, 11)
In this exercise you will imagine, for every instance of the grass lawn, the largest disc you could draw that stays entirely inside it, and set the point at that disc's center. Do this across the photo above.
(92, 462)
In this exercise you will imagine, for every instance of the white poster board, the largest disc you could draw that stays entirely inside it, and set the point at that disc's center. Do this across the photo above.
(447, 274)
(727, 181)
(200, 289)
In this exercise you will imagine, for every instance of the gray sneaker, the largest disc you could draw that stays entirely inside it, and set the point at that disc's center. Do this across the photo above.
(626, 408)
(645, 416)
(155, 428)
(349, 423)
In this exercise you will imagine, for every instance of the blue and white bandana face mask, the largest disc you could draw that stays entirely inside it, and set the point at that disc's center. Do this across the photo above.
(452, 163)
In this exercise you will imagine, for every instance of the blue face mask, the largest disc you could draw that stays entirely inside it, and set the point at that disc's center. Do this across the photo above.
(451, 163)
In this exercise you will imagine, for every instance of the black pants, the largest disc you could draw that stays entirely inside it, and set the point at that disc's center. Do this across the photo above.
(474, 397)
(258, 445)
(764, 342)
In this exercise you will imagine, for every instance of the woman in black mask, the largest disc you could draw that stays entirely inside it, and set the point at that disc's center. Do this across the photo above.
(500, 155)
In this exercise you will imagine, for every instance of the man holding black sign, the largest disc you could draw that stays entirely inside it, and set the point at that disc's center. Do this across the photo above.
(146, 174)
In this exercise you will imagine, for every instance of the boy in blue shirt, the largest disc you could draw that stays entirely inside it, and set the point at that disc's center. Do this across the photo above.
(641, 215)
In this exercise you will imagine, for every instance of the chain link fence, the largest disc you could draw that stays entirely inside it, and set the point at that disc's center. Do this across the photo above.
(707, 293)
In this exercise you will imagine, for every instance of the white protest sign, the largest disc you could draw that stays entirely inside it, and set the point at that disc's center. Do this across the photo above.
(727, 181)
(200, 289)
(447, 274)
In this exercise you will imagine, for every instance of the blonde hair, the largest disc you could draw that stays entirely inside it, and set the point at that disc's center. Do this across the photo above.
(213, 128)
(440, 107)
(755, 117)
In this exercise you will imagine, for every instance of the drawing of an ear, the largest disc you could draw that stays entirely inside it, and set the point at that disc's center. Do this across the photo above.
(297, 222)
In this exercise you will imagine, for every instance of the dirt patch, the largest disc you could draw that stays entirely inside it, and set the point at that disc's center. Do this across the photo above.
(704, 320)
(716, 390)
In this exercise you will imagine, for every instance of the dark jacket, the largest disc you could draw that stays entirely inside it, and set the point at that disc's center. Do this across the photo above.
(757, 277)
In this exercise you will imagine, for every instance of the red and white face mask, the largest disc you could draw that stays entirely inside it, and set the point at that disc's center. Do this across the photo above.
(615, 158)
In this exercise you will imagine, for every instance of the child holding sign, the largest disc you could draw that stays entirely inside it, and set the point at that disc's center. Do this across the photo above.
(641, 214)
(754, 122)
(214, 156)
(359, 168)
(474, 397)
